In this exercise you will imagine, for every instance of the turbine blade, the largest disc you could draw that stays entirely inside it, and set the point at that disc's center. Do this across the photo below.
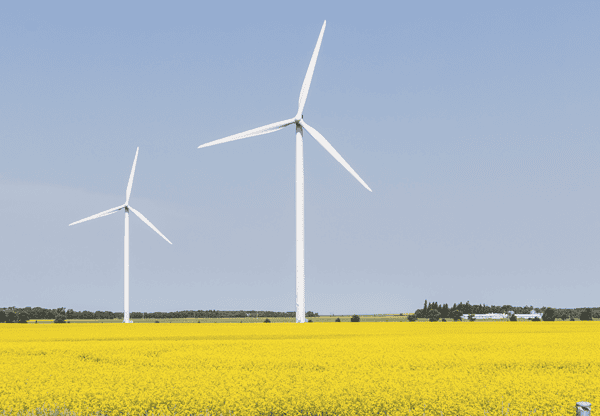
(101, 214)
(130, 184)
(141, 217)
(270, 128)
(319, 137)
(309, 74)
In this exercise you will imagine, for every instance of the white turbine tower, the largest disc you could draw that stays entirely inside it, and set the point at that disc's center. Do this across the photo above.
(300, 125)
(139, 214)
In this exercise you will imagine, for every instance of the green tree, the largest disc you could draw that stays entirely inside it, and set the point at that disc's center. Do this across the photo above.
(11, 317)
(586, 315)
(355, 318)
(513, 317)
(433, 315)
(412, 318)
(2, 317)
(23, 317)
(549, 314)
(338, 320)
(471, 317)
(457, 315)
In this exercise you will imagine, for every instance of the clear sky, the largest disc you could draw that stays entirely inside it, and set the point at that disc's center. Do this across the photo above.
(476, 124)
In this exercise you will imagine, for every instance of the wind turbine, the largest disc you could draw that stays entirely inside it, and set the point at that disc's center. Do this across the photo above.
(127, 207)
(300, 125)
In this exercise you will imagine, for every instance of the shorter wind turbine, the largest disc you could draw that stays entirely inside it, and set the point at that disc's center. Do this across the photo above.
(141, 217)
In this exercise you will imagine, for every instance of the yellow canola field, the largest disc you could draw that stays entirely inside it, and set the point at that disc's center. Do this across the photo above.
(462, 368)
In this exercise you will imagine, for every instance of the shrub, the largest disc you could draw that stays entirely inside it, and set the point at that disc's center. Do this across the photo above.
(338, 320)
(513, 318)
(267, 321)
(443, 319)
(156, 322)
(355, 318)
(471, 317)
(412, 318)
(60, 319)
(310, 320)
(536, 319)
(572, 319)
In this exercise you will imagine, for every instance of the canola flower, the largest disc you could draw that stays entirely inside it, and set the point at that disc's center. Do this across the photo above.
(454, 368)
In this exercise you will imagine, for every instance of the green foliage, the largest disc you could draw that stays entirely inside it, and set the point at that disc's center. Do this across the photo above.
(549, 314)
(2, 317)
(586, 315)
(471, 317)
(60, 319)
(536, 319)
(513, 318)
(11, 317)
(338, 320)
(355, 318)
(456, 315)
(412, 318)
(433, 315)
(267, 321)
(23, 317)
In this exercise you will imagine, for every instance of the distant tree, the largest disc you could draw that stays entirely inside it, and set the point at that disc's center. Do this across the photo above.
(59, 311)
(425, 308)
(586, 315)
(70, 314)
(513, 317)
(536, 319)
(596, 315)
(355, 318)
(267, 321)
(2, 317)
(563, 315)
(11, 317)
(338, 320)
(457, 315)
(60, 319)
(549, 314)
(412, 318)
(23, 317)
(471, 317)
(433, 315)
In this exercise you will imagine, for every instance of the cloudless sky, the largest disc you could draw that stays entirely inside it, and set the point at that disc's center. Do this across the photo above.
(476, 124)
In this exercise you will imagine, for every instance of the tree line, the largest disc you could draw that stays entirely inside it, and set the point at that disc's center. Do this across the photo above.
(437, 311)
(13, 314)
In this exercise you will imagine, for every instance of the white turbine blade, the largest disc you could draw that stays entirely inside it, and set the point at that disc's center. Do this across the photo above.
(318, 137)
(309, 74)
(130, 184)
(101, 214)
(141, 217)
(270, 128)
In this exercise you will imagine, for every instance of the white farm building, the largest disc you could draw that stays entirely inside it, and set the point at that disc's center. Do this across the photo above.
(530, 315)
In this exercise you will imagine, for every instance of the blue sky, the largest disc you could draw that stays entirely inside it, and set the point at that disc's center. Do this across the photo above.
(475, 124)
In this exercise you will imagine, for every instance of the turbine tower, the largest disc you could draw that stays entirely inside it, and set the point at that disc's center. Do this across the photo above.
(300, 126)
(127, 208)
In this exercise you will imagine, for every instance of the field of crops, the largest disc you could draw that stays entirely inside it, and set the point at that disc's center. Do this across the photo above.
(398, 368)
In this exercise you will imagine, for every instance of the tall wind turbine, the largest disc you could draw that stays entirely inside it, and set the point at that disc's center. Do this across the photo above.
(127, 207)
(300, 125)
